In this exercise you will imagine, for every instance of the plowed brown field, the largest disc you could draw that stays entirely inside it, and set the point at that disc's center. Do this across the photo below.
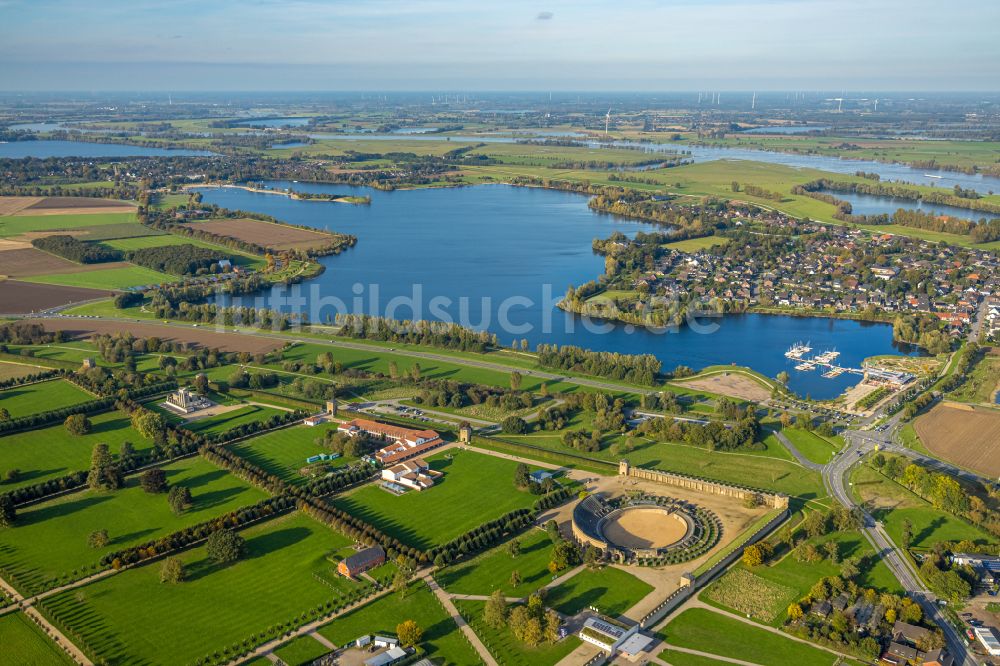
(969, 437)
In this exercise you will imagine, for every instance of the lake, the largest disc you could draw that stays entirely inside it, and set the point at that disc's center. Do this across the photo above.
(870, 204)
(276, 122)
(499, 257)
(786, 129)
(42, 149)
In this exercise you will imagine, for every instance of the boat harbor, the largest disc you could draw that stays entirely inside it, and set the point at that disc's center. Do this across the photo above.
(824, 360)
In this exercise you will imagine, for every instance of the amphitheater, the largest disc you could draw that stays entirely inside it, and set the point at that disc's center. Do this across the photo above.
(645, 528)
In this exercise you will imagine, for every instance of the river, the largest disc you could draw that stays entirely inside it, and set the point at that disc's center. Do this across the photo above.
(870, 204)
(499, 257)
(886, 171)
(44, 148)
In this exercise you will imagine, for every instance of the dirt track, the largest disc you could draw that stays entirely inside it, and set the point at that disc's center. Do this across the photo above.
(962, 435)
(197, 337)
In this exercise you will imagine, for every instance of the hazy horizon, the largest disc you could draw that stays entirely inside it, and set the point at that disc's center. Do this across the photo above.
(389, 45)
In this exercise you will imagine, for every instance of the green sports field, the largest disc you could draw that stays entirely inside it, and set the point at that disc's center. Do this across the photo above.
(42, 397)
(106, 278)
(50, 540)
(284, 451)
(492, 569)
(52, 452)
(475, 488)
(442, 640)
(131, 618)
(21, 637)
(13, 225)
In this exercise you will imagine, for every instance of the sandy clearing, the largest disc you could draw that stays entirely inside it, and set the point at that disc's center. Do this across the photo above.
(645, 528)
(733, 385)
(196, 337)
(11, 205)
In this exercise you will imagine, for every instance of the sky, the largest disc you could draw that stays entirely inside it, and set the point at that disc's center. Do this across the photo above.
(640, 45)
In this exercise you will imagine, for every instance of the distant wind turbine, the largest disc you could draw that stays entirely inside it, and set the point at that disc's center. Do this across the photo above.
(607, 121)
(753, 103)
(876, 105)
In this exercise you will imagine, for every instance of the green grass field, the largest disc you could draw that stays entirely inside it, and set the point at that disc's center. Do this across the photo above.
(131, 618)
(492, 569)
(24, 644)
(771, 468)
(12, 370)
(894, 504)
(284, 452)
(52, 452)
(19, 224)
(610, 590)
(442, 640)
(42, 397)
(302, 651)
(104, 232)
(696, 244)
(211, 425)
(106, 278)
(701, 629)
(678, 658)
(812, 446)
(50, 539)
(475, 488)
(772, 587)
(505, 648)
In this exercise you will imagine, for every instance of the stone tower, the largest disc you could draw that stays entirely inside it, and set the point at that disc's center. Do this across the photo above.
(331, 407)
(623, 467)
(465, 433)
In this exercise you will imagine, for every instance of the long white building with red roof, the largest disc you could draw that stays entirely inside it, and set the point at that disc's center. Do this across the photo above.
(404, 443)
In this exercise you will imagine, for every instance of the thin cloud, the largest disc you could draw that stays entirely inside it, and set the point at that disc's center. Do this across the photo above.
(544, 16)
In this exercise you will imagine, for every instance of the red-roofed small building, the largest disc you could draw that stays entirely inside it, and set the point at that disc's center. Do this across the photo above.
(405, 443)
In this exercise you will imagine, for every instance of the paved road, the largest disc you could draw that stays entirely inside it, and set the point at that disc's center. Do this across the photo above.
(805, 462)
(450, 608)
(858, 443)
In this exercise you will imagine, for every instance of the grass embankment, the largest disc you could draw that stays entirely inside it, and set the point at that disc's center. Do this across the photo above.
(893, 505)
